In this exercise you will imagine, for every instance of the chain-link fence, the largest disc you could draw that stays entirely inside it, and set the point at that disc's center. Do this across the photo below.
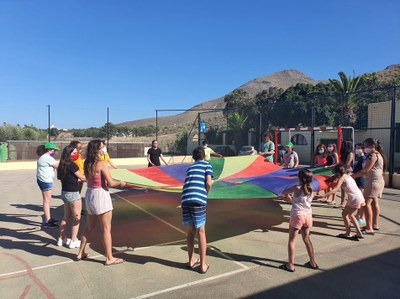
(26, 150)
(372, 113)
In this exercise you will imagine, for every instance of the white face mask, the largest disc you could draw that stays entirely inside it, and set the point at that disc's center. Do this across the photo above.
(359, 151)
(330, 148)
(321, 151)
(104, 151)
(367, 150)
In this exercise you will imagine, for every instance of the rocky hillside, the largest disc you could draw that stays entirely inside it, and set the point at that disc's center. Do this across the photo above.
(283, 80)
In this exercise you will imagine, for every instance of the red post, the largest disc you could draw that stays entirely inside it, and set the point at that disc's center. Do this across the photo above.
(339, 141)
(276, 145)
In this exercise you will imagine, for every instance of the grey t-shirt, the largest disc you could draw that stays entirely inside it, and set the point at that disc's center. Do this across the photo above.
(45, 169)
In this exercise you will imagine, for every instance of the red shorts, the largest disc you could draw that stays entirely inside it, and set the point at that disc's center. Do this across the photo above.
(301, 221)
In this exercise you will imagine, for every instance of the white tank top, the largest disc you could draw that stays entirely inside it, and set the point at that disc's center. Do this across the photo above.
(302, 204)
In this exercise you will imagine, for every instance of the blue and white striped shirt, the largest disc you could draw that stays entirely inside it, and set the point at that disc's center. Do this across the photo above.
(194, 190)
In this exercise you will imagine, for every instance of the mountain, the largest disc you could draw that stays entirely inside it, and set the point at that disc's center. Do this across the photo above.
(283, 79)
(389, 74)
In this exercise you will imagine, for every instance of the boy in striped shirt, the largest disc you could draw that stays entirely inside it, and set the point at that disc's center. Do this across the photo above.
(198, 183)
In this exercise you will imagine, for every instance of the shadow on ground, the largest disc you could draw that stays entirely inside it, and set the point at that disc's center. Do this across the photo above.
(367, 276)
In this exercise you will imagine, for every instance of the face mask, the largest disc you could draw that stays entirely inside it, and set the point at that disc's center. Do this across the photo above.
(367, 150)
(330, 148)
(359, 151)
(53, 154)
(75, 157)
(321, 151)
(104, 151)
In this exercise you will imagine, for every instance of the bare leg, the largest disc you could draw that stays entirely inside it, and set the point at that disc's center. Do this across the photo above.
(65, 221)
(346, 220)
(190, 245)
(376, 211)
(105, 220)
(76, 208)
(293, 232)
(91, 223)
(354, 221)
(202, 248)
(305, 233)
(46, 195)
(368, 214)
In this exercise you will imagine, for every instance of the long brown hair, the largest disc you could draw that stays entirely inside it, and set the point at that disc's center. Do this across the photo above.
(306, 177)
(65, 161)
(377, 145)
(91, 157)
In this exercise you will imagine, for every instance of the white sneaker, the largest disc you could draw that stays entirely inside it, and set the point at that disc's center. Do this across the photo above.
(74, 244)
(65, 241)
(60, 242)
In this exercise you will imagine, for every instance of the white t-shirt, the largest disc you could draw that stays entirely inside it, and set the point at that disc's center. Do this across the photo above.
(290, 159)
(45, 169)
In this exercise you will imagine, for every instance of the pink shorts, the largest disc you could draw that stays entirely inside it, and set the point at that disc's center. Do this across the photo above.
(301, 221)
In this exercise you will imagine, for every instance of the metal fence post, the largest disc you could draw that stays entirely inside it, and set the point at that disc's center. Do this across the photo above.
(392, 137)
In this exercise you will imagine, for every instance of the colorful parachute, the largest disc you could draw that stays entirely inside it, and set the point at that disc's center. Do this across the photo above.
(234, 178)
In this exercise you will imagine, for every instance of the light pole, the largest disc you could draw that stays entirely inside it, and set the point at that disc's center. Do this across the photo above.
(108, 127)
(48, 118)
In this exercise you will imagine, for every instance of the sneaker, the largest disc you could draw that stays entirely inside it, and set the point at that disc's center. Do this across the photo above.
(50, 224)
(74, 244)
(361, 222)
(65, 241)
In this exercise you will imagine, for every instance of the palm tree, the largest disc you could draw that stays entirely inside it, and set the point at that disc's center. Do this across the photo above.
(237, 122)
(347, 88)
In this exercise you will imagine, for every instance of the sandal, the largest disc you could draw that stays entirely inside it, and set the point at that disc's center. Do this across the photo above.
(195, 265)
(367, 232)
(204, 271)
(309, 265)
(344, 236)
(116, 262)
(83, 257)
(286, 268)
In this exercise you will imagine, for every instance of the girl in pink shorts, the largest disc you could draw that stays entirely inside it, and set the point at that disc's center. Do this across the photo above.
(300, 218)
(354, 202)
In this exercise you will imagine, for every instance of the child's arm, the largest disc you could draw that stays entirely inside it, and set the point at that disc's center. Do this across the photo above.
(336, 189)
(209, 183)
(288, 193)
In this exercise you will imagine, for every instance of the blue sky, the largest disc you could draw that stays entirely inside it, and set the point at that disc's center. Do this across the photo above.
(135, 56)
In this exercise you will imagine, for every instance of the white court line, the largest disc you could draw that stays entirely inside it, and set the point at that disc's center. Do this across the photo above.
(179, 230)
(151, 214)
(90, 257)
(182, 286)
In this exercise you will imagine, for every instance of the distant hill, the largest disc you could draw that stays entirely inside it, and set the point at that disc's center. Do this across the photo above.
(389, 74)
(283, 79)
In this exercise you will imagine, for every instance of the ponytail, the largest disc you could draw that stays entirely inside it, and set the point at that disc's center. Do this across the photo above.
(379, 148)
(306, 177)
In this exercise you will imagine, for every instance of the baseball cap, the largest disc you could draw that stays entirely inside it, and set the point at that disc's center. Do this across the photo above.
(289, 144)
(50, 145)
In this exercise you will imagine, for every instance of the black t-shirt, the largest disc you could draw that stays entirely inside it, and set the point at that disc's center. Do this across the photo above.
(154, 156)
(69, 182)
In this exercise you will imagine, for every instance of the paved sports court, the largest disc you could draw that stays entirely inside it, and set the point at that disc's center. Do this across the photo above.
(247, 241)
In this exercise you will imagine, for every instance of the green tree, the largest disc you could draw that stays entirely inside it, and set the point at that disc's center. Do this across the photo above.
(347, 87)
(237, 127)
